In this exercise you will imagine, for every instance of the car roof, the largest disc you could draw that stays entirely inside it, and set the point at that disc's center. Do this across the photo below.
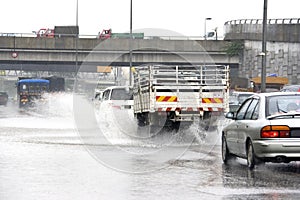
(291, 86)
(238, 92)
(268, 94)
(288, 87)
(117, 87)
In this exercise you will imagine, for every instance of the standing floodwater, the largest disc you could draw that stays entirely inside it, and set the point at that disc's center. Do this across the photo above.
(45, 154)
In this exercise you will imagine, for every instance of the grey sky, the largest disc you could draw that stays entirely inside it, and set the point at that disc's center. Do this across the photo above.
(185, 17)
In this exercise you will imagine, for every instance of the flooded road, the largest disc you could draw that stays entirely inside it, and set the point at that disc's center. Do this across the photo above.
(48, 154)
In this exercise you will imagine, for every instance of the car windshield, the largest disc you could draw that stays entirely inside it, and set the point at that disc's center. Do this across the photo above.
(283, 104)
(121, 94)
(239, 98)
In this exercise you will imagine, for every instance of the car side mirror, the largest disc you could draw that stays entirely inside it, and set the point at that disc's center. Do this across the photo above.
(230, 115)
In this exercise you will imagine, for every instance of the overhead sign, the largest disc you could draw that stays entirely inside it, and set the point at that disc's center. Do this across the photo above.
(104, 69)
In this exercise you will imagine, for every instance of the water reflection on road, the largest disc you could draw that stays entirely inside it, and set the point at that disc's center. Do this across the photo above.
(43, 157)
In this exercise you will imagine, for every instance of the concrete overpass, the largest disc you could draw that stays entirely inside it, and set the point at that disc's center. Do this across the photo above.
(283, 49)
(69, 54)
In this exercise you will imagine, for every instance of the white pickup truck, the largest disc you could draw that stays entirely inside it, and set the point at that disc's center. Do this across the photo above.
(175, 96)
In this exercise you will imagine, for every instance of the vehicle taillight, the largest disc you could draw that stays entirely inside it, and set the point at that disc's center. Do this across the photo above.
(24, 99)
(115, 106)
(275, 132)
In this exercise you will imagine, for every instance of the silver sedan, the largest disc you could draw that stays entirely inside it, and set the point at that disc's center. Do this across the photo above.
(266, 128)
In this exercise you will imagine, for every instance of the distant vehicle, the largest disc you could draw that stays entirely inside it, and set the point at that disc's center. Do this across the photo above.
(264, 129)
(3, 98)
(117, 97)
(237, 98)
(273, 83)
(56, 84)
(167, 97)
(290, 88)
(116, 108)
(45, 33)
(58, 31)
(31, 90)
(107, 33)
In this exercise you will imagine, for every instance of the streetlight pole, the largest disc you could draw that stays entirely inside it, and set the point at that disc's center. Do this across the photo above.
(264, 49)
(130, 46)
(208, 18)
(76, 40)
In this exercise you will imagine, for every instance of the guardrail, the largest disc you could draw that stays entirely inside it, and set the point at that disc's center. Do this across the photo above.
(260, 21)
(179, 37)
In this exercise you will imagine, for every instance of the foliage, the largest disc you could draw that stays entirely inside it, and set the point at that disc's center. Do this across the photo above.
(234, 48)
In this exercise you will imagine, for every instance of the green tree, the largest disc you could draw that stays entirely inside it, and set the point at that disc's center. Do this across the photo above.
(234, 48)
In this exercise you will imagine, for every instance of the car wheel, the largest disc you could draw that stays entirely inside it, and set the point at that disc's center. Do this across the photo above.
(250, 156)
(225, 153)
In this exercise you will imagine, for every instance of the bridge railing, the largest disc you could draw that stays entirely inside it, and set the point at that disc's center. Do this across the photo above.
(281, 30)
(260, 21)
(148, 37)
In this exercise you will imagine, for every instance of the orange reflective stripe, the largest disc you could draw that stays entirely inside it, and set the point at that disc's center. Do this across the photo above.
(172, 99)
(212, 100)
(166, 98)
(160, 98)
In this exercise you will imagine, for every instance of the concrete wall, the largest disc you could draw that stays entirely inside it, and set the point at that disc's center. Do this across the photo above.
(279, 31)
(283, 49)
(283, 59)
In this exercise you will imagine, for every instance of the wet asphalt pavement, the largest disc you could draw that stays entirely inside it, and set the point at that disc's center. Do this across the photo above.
(48, 155)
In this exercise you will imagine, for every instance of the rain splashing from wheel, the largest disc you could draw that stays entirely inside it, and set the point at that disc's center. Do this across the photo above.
(117, 129)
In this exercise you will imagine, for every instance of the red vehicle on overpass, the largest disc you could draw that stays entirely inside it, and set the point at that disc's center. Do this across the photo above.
(45, 32)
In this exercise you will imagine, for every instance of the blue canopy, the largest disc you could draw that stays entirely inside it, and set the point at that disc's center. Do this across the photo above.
(34, 81)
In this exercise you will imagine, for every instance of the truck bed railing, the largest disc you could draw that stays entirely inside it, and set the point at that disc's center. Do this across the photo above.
(205, 75)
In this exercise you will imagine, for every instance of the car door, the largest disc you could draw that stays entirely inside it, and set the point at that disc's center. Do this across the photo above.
(105, 100)
(247, 125)
(233, 130)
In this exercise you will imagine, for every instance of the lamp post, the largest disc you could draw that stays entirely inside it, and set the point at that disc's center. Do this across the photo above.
(76, 40)
(130, 46)
(208, 18)
(264, 48)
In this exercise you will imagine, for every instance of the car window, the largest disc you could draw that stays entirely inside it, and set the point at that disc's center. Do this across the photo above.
(121, 94)
(243, 109)
(283, 104)
(251, 110)
(106, 95)
(243, 97)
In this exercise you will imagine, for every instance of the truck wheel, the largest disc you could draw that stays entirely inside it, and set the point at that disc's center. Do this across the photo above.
(176, 126)
(141, 119)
